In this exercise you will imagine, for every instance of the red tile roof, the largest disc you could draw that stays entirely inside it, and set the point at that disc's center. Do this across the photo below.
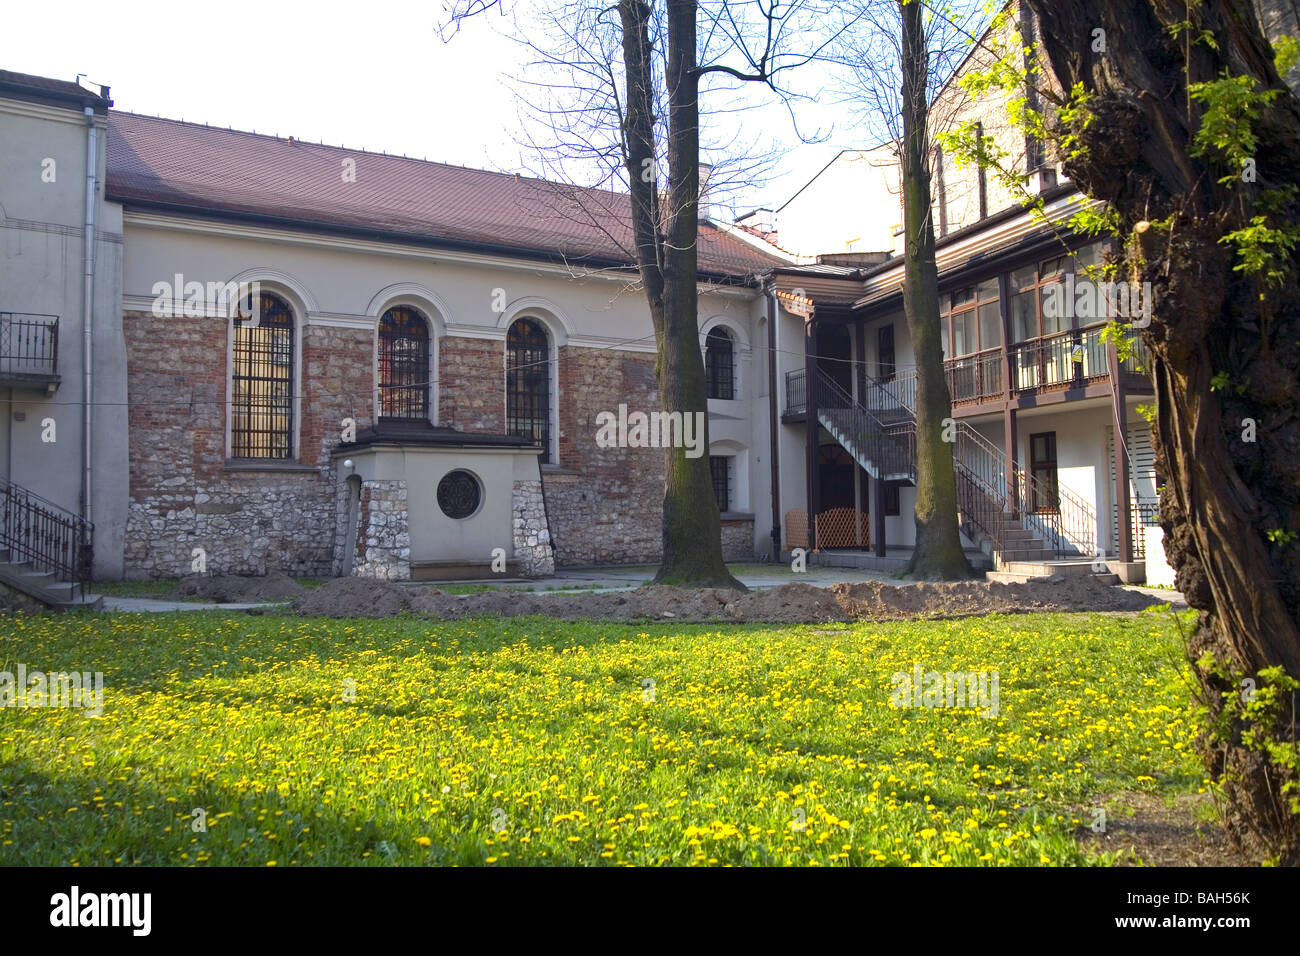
(202, 170)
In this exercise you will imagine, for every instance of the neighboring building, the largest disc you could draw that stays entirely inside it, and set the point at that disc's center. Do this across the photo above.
(62, 459)
(1036, 395)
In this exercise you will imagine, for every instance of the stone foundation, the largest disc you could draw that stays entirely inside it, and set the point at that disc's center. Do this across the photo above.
(532, 537)
(383, 537)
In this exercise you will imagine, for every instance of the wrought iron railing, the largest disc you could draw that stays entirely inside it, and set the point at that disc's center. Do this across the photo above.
(1067, 359)
(29, 344)
(1066, 524)
(889, 446)
(51, 538)
(975, 377)
(796, 392)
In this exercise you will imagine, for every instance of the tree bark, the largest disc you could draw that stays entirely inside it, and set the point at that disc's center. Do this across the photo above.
(1223, 492)
(938, 553)
(667, 251)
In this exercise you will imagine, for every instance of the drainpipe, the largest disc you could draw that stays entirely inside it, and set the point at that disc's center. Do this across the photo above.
(773, 412)
(87, 312)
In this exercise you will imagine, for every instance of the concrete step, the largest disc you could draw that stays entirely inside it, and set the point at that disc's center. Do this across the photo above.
(1025, 555)
(1010, 577)
(44, 587)
(1047, 568)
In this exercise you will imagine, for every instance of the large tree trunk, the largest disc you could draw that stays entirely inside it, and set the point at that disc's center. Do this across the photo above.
(692, 534)
(938, 553)
(1223, 494)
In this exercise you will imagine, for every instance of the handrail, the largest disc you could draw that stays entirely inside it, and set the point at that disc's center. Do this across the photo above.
(891, 446)
(52, 538)
(1070, 529)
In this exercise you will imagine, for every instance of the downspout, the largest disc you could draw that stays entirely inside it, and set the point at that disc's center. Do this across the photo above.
(774, 353)
(87, 313)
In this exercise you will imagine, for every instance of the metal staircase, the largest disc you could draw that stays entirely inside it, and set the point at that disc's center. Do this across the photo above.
(46, 551)
(1019, 523)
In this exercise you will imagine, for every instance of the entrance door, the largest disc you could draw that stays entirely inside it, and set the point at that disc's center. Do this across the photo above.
(1042, 466)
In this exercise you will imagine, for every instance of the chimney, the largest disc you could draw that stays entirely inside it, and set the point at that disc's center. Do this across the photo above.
(706, 169)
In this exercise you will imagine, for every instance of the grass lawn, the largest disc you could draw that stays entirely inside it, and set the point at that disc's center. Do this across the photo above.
(535, 741)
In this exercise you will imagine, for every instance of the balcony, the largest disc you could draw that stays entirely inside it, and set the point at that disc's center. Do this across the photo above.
(1060, 363)
(29, 351)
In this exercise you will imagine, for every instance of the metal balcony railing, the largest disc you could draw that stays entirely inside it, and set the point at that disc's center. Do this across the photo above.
(29, 344)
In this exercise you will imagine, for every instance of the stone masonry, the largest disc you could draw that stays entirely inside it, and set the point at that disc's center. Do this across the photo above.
(185, 495)
(605, 504)
(383, 536)
(532, 537)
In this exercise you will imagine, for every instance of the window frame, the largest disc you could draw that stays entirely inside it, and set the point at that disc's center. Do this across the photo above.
(713, 369)
(421, 368)
(275, 312)
(546, 441)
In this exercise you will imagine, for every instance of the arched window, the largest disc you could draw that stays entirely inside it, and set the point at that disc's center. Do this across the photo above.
(720, 364)
(403, 364)
(261, 382)
(528, 383)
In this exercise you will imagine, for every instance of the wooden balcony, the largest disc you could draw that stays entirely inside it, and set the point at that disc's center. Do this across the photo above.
(1063, 367)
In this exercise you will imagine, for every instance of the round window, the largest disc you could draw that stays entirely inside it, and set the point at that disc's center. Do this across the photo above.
(459, 494)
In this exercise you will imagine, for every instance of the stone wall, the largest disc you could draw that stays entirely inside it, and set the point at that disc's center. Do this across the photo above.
(383, 532)
(184, 494)
(738, 539)
(605, 504)
(532, 537)
(472, 384)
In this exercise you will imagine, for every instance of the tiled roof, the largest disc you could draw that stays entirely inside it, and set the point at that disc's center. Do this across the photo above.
(45, 87)
(201, 170)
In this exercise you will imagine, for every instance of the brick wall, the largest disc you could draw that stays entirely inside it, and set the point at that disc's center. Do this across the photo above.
(609, 509)
(182, 494)
(471, 384)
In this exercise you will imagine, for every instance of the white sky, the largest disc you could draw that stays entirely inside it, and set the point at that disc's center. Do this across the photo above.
(372, 75)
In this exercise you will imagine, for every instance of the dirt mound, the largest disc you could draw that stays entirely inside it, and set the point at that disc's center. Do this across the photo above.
(230, 588)
(884, 602)
(793, 603)
(352, 597)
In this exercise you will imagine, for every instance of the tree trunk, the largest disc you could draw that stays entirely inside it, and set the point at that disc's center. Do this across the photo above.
(938, 553)
(692, 533)
(1226, 486)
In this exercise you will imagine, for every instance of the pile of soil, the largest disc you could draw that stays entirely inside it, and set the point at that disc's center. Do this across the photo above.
(232, 588)
(786, 604)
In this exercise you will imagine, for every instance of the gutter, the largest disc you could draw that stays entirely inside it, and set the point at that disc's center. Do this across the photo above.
(773, 412)
(88, 315)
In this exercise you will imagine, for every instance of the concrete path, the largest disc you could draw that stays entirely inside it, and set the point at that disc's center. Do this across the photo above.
(152, 605)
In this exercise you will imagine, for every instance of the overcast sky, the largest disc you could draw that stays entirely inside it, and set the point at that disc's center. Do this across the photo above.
(372, 75)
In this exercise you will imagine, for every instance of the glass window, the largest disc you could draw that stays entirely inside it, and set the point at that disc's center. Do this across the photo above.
(720, 364)
(403, 364)
(963, 332)
(1024, 315)
(990, 326)
(720, 472)
(528, 384)
(1052, 267)
(261, 383)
